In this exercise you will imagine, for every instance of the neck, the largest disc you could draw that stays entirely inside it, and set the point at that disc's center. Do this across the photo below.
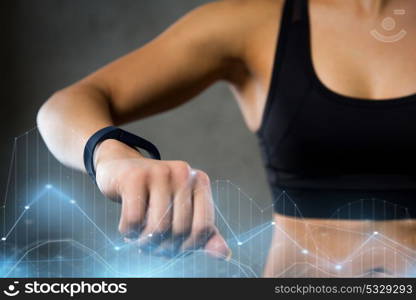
(368, 7)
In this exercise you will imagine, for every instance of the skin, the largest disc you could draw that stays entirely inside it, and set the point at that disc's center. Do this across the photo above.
(236, 39)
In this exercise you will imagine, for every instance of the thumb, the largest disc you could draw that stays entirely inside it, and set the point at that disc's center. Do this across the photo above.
(217, 247)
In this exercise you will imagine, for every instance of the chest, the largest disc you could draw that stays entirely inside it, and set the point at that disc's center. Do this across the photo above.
(346, 57)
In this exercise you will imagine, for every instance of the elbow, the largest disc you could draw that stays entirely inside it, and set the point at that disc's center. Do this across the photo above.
(67, 118)
(53, 122)
(49, 112)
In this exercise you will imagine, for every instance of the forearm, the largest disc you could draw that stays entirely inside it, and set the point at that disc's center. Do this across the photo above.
(176, 66)
(69, 118)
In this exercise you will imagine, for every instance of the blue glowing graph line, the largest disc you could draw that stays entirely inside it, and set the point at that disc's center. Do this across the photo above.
(96, 255)
(225, 222)
(367, 241)
(301, 248)
(155, 271)
(371, 235)
(240, 238)
(315, 243)
(399, 246)
(396, 243)
(27, 207)
(175, 260)
(374, 236)
(260, 208)
(93, 253)
(94, 224)
(6, 192)
(258, 229)
(324, 272)
(395, 205)
(99, 257)
(63, 195)
(256, 234)
(170, 206)
(49, 188)
(45, 190)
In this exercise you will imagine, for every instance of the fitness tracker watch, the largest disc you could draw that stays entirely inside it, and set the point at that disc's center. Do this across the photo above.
(118, 134)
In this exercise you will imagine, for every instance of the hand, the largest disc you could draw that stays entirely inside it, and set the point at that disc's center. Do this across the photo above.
(167, 206)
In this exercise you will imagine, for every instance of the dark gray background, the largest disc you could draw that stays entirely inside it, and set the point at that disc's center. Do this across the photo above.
(49, 44)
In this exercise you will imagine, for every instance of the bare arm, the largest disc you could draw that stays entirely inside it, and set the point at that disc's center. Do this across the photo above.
(177, 65)
(200, 49)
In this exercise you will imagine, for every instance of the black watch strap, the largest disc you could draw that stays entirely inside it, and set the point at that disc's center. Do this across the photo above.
(118, 134)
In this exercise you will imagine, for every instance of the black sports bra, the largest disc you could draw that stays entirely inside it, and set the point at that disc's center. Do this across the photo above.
(329, 155)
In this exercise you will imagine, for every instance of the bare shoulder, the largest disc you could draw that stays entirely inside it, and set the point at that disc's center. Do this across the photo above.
(253, 6)
(234, 23)
(250, 15)
(245, 30)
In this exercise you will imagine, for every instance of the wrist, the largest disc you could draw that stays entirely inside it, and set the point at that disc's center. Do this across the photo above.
(112, 149)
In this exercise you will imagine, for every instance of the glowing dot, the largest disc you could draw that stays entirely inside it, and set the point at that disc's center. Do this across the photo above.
(239, 243)
(338, 267)
(150, 235)
(3, 238)
(375, 232)
(48, 186)
(11, 287)
(27, 207)
(273, 223)
(305, 251)
(72, 201)
(116, 248)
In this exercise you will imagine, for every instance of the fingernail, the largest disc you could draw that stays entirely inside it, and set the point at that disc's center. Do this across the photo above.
(229, 256)
(127, 240)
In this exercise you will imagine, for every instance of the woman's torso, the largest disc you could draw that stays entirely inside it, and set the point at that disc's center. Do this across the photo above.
(350, 63)
(316, 138)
